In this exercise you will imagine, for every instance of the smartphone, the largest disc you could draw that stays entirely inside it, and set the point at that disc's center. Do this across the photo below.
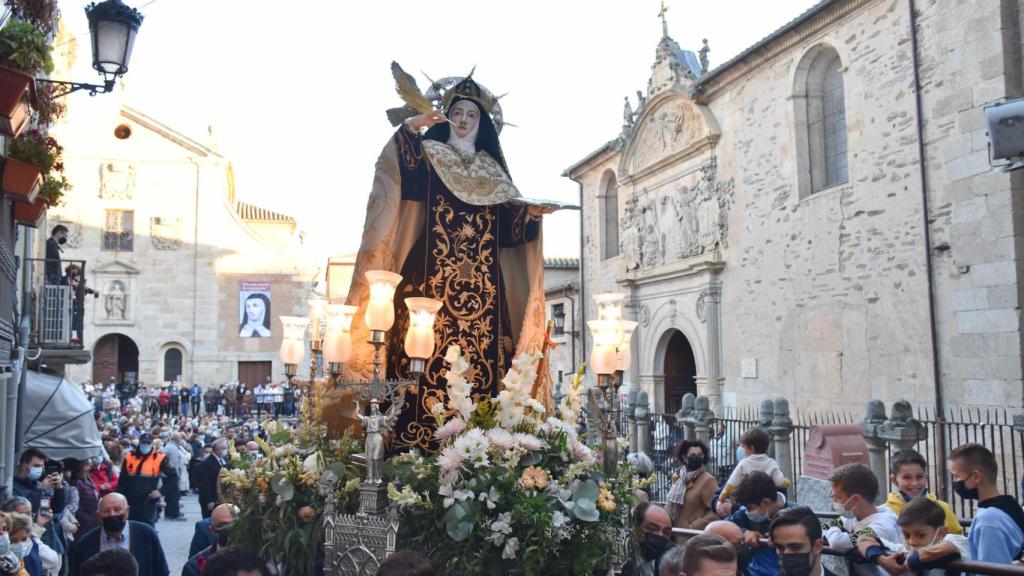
(44, 503)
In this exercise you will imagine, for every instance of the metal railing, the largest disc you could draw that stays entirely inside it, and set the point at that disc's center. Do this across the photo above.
(968, 566)
(59, 302)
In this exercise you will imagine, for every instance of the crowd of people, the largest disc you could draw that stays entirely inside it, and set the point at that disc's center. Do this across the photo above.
(748, 527)
(99, 516)
(174, 399)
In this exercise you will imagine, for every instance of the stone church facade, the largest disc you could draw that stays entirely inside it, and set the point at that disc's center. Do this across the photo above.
(172, 253)
(766, 218)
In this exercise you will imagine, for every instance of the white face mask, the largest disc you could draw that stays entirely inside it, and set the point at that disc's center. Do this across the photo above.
(22, 549)
(5, 543)
(935, 539)
(840, 507)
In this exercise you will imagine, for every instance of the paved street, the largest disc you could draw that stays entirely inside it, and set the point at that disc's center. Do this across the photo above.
(176, 536)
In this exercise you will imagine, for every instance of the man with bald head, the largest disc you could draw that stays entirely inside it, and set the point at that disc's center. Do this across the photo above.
(116, 531)
(220, 525)
(733, 534)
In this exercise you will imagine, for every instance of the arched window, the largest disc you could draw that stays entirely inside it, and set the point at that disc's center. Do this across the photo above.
(609, 215)
(820, 116)
(172, 364)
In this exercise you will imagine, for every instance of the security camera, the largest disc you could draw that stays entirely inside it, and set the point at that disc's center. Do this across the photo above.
(1005, 122)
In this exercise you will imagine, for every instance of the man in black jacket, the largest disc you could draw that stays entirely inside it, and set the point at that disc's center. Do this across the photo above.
(52, 268)
(116, 531)
(209, 476)
(140, 480)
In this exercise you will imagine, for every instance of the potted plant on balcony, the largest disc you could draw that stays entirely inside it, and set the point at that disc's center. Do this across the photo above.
(24, 52)
(34, 163)
(42, 14)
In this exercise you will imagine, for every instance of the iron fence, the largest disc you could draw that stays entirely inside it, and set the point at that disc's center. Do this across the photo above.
(992, 428)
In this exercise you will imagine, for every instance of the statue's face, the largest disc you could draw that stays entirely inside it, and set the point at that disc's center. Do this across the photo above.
(464, 118)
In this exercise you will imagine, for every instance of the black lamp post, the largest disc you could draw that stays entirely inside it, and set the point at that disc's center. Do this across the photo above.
(112, 26)
(558, 315)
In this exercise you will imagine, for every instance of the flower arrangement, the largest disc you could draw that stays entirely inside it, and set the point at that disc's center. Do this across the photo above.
(282, 496)
(509, 492)
(37, 148)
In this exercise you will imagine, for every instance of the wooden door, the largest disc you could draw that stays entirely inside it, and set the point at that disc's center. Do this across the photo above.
(253, 373)
(104, 359)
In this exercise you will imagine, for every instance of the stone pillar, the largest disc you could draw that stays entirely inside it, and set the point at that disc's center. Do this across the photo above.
(782, 433)
(684, 415)
(874, 418)
(642, 423)
(713, 360)
(902, 430)
(764, 421)
(631, 418)
(702, 417)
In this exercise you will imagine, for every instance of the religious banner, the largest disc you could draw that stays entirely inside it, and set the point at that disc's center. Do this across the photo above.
(254, 310)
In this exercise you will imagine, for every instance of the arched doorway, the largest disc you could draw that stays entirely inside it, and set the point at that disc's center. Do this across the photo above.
(115, 356)
(680, 371)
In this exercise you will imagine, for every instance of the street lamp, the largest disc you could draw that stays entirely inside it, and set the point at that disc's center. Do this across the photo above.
(113, 27)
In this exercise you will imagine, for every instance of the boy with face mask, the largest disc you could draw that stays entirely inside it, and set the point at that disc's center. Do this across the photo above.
(854, 489)
(759, 501)
(927, 546)
(997, 533)
(909, 474)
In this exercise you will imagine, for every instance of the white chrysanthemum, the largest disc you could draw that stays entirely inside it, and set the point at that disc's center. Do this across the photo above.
(472, 446)
(581, 452)
(449, 460)
(451, 428)
(511, 548)
(527, 442)
(500, 438)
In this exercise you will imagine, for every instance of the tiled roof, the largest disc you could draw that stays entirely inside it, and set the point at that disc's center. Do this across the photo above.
(253, 213)
(562, 262)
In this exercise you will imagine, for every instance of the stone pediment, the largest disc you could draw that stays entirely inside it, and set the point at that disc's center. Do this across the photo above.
(116, 267)
(670, 127)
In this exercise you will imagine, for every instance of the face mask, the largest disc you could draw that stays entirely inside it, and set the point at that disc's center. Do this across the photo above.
(653, 546)
(934, 540)
(35, 473)
(145, 449)
(62, 241)
(222, 537)
(840, 507)
(114, 524)
(757, 519)
(795, 564)
(907, 497)
(96, 461)
(5, 543)
(22, 549)
(963, 491)
(694, 463)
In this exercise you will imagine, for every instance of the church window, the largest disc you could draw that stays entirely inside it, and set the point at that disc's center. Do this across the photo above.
(820, 114)
(172, 365)
(609, 200)
(119, 232)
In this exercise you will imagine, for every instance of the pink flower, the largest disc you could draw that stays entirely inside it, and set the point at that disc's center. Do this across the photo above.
(500, 438)
(449, 459)
(527, 442)
(581, 452)
(534, 478)
(452, 428)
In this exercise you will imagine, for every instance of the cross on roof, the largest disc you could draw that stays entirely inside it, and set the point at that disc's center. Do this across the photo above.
(661, 14)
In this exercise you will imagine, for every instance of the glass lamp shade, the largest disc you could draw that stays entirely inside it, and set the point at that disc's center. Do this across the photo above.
(559, 317)
(338, 340)
(292, 346)
(317, 309)
(380, 311)
(625, 355)
(113, 27)
(419, 340)
(607, 337)
(609, 305)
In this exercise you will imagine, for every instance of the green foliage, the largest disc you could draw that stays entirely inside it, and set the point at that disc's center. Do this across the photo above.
(39, 149)
(25, 47)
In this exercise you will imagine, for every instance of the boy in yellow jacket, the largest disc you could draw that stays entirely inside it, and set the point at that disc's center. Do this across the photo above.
(908, 471)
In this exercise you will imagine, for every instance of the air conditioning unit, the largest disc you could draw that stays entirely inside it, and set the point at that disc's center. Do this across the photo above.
(1005, 122)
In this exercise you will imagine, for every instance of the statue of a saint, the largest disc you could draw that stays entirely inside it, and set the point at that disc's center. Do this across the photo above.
(445, 214)
(115, 304)
(375, 426)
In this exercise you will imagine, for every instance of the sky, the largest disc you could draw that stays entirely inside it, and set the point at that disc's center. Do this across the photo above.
(297, 91)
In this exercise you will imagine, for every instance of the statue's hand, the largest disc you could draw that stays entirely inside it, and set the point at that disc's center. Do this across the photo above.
(417, 123)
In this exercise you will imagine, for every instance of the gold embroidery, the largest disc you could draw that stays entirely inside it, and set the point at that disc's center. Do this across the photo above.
(475, 179)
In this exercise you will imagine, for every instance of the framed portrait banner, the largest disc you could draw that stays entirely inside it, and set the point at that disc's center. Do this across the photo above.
(254, 310)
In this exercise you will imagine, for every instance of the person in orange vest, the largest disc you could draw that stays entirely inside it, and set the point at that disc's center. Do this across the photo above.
(141, 474)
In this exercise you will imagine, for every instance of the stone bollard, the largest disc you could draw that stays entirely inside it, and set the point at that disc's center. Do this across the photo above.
(685, 414)
(642, 422)
(631, 415)
(702, 418)
(764, 421)
(902, 430)
(782, 433)
(874, 418)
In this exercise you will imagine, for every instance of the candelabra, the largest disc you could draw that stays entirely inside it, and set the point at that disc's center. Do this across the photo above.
(335, 345)
(610, 357)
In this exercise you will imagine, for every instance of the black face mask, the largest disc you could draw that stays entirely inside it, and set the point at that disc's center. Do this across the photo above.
(114, 524)
(744, 554)
(222, 537)
(795, 564)
(653, 546)
(63, 240)
(963, 491)
(694, 463)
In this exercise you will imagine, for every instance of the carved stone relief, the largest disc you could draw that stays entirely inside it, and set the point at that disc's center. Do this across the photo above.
(698, 215)
(165, 233)
(664, 131)
(640, 241)
(117, 180)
